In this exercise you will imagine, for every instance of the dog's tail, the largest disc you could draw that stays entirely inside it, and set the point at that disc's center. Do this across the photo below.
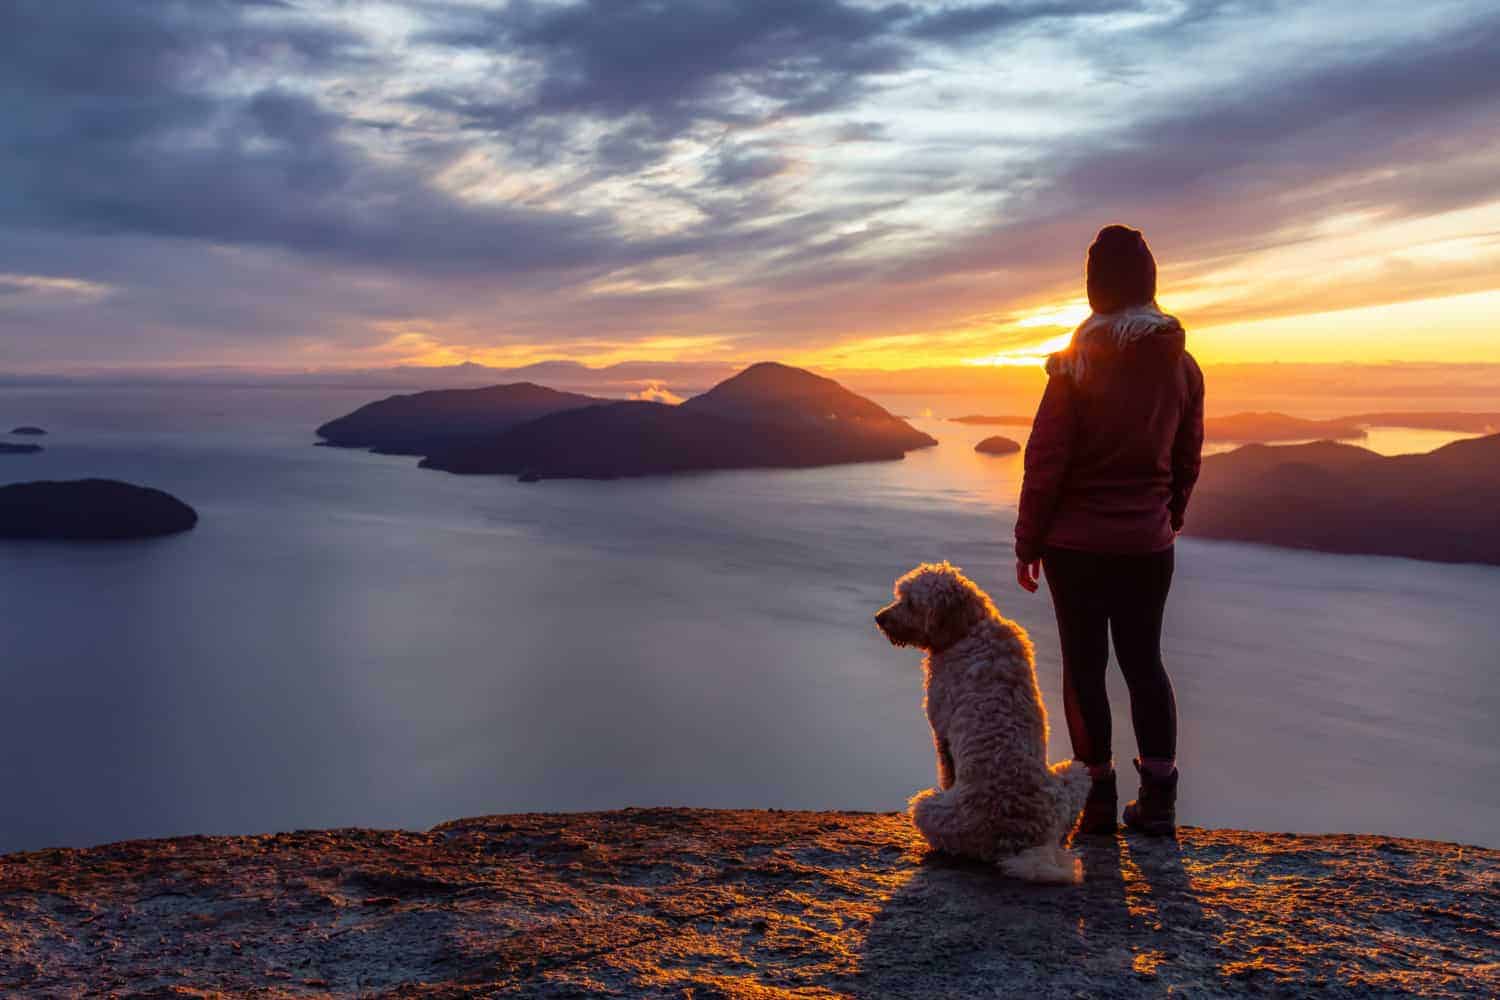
(1052, 863)
(1071, 789)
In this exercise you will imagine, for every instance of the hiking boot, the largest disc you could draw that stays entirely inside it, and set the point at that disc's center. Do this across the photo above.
(1154, 812)
(1101, 808)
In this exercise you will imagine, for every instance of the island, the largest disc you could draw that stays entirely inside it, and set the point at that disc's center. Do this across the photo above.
(1243, 428)
(768, 416)
(423, 422)
(90, 510)
(671, 903)
(1331, 497)
(1269, 427)
(8, 448)
(1433, 420)
(997, 445)
(28, 430)
(979, 419)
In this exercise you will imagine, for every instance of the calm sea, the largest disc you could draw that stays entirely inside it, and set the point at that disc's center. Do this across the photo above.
(348, 640)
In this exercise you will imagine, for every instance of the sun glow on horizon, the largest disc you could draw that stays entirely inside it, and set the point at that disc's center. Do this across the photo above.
(1439, 328)
(1034, 354)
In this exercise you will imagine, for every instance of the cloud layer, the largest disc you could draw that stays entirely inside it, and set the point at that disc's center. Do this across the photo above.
(280, 182)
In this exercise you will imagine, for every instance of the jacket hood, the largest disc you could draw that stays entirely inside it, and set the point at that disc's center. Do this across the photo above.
(1104, 335)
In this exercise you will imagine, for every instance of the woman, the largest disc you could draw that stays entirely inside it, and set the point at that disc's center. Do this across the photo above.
(1112, 459)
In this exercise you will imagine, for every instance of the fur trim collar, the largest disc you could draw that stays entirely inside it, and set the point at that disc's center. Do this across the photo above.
(1106, 333)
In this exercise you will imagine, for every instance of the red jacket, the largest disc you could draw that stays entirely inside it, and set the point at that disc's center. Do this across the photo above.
(1117, 440)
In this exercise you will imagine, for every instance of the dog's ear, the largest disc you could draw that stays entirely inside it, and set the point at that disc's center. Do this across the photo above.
(950, 614)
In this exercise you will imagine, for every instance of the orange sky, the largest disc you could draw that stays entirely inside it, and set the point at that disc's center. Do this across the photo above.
(1353, 289)
(838, 184)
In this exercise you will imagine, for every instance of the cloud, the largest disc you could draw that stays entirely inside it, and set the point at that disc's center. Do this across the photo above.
(264, 179)
(677, 64)
(742, 164)
(123, 129)
(657, 393)
(1388, 130)
(973, 22)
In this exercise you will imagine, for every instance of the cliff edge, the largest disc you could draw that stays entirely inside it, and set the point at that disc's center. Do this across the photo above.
(676, 903)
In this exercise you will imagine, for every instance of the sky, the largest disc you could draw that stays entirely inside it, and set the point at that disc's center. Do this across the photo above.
(839, 183)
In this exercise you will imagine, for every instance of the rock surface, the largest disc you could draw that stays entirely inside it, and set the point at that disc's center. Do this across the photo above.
(691, 903)
(90, 510)
(997, 445)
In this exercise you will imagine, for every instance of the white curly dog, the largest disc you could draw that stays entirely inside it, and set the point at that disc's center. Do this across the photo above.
(996, 800)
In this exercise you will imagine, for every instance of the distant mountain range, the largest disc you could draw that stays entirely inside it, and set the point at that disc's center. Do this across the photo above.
(1245, 428)
(1437, 420)
(1349, 388)
(767, 416)
(1266, 427)
(1441, 506)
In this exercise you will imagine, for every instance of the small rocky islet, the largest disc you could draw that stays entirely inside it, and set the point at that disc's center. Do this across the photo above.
(90, 510)
(997, 445)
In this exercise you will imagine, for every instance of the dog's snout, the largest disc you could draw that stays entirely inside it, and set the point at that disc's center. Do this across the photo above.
(882, 616)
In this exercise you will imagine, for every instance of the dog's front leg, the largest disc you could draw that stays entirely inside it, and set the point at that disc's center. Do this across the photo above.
(944, 761)
(938, 719)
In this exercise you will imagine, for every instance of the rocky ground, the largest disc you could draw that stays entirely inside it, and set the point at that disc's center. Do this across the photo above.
(687, 903)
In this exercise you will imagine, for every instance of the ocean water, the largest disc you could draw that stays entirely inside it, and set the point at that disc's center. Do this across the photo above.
(348, 640)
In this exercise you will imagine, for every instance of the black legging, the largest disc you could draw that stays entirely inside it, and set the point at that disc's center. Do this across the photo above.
(1095, 596)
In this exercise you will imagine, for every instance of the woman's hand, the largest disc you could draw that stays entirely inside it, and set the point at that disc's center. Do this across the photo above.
(1028, 574)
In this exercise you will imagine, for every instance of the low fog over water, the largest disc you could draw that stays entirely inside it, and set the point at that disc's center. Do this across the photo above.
(348, 640)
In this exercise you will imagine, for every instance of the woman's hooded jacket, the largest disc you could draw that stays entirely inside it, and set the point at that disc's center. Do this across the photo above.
(1116, 443)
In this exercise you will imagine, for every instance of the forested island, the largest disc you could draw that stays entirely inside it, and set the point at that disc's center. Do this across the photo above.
(90, 510)
(1332, 497)
(767, 416)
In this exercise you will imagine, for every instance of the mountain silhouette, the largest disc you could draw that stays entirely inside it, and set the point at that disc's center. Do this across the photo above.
(424, 422)
(90, 510)
(1243, 428)
(767, 416)
(1439, 506)
(772, 394)
(1271, 426)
